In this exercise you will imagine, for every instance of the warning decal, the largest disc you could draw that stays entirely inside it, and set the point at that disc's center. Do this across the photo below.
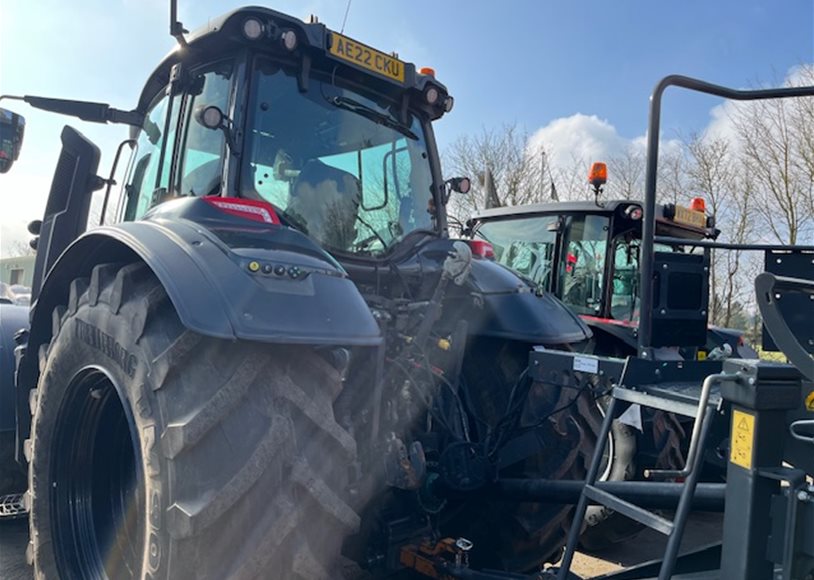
(743, 437)
(810, 401)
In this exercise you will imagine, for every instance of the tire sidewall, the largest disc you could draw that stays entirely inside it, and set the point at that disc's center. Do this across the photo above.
(622, 462)
(95, 337)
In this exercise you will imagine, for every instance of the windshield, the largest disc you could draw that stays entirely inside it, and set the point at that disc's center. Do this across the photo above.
(337, 165)
(525, 245)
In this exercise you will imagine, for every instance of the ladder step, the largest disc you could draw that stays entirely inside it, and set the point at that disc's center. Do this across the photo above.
(654, 402)
(633, 511)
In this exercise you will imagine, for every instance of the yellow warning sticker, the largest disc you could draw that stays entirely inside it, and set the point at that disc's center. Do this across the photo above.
(743, 438)
(810, 402)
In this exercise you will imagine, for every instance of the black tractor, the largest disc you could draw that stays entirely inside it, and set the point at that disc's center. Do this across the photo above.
(276, 362)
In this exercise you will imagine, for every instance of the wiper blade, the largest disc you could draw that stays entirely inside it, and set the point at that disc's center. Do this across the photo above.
(373, 115)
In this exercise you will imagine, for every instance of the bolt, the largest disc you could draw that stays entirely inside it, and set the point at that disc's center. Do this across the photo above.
(664, 266)
(779, 260)
(662, 311)
(802, 495)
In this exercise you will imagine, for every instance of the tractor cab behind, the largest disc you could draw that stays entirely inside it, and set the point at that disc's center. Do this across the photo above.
(587, 253)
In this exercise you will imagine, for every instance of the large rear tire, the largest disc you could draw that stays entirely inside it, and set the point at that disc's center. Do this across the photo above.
(160, 454)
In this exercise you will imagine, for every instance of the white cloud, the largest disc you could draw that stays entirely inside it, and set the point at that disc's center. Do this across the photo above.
(582, 137)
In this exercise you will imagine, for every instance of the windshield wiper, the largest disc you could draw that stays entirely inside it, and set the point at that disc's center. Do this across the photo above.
(373, 115)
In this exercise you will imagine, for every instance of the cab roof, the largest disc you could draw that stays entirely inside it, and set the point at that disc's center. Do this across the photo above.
(223, 35)
(607, 207)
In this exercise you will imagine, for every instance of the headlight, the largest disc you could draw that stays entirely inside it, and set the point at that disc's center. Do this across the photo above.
(252, 28)
(289, 40)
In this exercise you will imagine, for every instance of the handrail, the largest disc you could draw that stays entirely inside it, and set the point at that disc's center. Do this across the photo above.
(649, 218)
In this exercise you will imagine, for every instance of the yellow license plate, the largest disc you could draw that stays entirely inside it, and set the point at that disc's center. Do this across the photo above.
(690, 217)
(371, 59)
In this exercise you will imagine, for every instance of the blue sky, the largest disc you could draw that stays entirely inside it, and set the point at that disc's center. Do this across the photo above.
(530, 62)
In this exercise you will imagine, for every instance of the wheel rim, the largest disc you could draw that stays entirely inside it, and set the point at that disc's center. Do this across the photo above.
(607, 465)
(97, 485)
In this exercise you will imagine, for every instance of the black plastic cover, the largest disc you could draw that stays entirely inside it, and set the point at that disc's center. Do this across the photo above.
(66, 214)
(680, 299)
(797, 309)
(12, 319)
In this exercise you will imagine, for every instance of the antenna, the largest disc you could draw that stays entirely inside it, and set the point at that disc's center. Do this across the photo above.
(547, 168)
(345, 19)
(177, 29)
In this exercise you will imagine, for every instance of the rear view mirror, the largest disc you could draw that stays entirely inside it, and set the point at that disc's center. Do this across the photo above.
(12, 128)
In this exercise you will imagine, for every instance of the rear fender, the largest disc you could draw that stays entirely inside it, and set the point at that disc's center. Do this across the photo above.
(213, 287)
(512, 309)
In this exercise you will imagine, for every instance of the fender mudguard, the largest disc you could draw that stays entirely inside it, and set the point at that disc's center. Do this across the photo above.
(250, 283)
(514, 310)
(507, 306)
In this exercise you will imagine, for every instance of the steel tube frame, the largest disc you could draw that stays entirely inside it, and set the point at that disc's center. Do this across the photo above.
(655, 495)
(649, 225)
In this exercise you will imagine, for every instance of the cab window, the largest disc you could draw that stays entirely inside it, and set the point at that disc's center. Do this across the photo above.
(203, 150)
(150, 172)
(625, 287)
(582, 264)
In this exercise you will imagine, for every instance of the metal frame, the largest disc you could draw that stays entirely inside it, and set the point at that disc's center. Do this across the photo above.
(653, 134)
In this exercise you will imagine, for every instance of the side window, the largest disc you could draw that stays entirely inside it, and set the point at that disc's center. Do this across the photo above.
(203, 149)
(583, 263)
(625, 295)
(151, 169)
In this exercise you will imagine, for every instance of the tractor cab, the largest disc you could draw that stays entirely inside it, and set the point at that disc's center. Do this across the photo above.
(328, 135)
(587, 254)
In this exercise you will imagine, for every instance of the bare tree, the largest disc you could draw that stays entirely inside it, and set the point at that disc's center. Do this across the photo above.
(19, 248)
(803, 113)
(626, 174)
(716, 173)
(672, 181)
(520, 175)
(773, 145)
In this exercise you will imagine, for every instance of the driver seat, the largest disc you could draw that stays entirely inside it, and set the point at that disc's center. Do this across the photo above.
(325, 201)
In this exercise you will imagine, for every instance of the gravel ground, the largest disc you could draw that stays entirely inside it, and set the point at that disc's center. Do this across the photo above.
(13, 541)
(702, 529)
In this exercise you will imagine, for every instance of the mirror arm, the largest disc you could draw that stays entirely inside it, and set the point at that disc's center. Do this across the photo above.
(85, 110)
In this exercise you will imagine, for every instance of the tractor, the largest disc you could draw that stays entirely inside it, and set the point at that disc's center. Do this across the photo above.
(274, 360)
(587, 253)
